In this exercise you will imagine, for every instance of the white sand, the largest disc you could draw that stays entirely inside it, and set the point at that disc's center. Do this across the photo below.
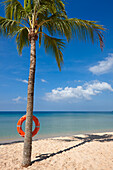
(80, 152)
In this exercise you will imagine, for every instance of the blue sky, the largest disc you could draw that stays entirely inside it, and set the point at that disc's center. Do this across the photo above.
(86, 80)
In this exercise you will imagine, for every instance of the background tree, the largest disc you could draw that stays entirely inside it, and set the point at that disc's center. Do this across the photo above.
(42, 20)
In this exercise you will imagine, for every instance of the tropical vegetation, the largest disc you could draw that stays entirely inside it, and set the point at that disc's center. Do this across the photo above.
(43, 21)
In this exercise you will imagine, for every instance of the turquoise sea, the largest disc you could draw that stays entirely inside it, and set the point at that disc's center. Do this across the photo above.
(56, 124)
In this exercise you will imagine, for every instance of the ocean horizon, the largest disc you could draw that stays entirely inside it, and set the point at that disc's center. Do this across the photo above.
(56, 123)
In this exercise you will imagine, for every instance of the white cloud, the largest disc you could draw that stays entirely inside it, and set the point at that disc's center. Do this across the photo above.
(44, 81)
(24, 81)
(104, 66)
(19, 99)
(80, 92)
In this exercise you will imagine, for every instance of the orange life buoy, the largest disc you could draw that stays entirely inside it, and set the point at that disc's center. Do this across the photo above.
(19, 126)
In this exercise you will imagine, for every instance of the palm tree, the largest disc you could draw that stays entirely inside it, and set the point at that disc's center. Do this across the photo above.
(41, 20)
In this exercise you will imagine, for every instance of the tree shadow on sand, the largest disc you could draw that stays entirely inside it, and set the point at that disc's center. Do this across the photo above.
(86, 139)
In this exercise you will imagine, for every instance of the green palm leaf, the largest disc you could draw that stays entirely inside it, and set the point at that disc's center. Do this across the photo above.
(81, 29)
(46, 16)
(40, 37)
(55, 46)
(8, 26)
(14, 10)
(22, 39)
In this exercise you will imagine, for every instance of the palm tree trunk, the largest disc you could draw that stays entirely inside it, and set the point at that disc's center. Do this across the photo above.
(29, 115)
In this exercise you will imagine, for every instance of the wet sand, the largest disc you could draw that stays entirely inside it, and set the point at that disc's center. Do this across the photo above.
(77, 152)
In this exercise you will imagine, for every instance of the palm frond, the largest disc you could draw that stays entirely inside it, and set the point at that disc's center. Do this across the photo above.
(84, 29)
(41, 10)
(60, 27)
(46, 16)
(22, 39)
(60, 5)
(14, 10)
(29, 6)
(25, 4)
(52, 4)
(8, 26)
(40, 37)
(48, 7)
(81, 29)
(55, 46)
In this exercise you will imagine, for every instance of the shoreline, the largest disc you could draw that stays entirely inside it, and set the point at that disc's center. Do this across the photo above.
(13, 141)
(92, 151)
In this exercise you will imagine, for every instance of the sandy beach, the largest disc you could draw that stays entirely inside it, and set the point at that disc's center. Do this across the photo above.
(78, 152)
